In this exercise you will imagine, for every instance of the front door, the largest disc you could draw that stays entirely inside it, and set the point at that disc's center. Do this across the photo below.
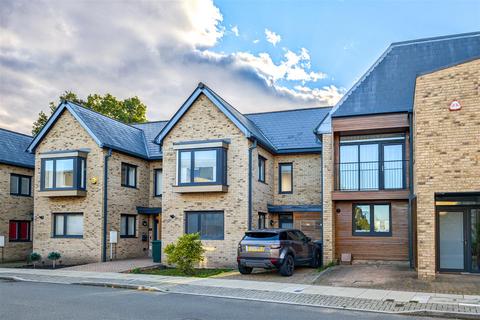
(459, 239)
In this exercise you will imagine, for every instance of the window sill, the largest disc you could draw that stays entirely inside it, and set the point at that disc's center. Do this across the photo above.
(131, 187)
(200, 188)
(263, 182)
(67, 237)
(63, 193)
(19, 241)
(370, 234)
(128, 237)
(20, 195)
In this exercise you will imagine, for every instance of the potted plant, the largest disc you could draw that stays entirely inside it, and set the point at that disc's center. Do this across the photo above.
(54, 256)
(33, 258)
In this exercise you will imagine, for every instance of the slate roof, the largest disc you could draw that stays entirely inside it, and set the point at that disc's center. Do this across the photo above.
(388, 86)
(291, 129)
(13, 149)
(151, 130)
(279, 131)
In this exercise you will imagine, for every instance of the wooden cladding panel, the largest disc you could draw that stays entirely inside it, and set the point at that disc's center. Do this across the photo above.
(394, 247)
(375, 122)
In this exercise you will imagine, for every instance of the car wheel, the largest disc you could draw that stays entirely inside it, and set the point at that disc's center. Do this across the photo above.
(288, 266)
(244, 269)
(315, 263)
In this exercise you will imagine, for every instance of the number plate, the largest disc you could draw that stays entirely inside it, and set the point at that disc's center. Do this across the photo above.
(254, 249)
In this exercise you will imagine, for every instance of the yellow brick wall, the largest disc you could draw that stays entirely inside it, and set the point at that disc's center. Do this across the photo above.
(68, 134)
(446, 147)
(328, 212)
(14, 208)
(201, 122)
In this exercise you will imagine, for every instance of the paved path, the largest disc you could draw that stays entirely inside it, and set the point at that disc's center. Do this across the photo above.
(310, 295)
(46, 301)
(115, 266)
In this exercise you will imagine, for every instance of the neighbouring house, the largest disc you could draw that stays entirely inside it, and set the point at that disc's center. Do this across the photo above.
(16, 195)
(401, 159)
(210, 169)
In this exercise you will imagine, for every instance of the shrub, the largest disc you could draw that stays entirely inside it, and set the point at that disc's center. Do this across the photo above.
(54, 256)
(185, 253)
(33, 258)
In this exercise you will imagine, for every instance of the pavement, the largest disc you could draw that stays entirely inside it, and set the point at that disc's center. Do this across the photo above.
(398, 277)
(355, 299)
(115, 266)
(39, 301)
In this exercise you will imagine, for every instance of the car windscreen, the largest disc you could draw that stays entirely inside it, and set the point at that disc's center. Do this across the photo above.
(262, 236)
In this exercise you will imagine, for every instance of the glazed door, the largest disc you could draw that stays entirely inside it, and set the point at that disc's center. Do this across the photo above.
(451, 239)
(474, 241)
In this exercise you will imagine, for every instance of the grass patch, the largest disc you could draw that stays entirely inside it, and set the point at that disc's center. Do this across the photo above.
(326, 266)
(199, 273)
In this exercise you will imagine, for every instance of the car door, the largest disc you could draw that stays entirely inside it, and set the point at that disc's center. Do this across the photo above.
(297, 245)
(306, 254)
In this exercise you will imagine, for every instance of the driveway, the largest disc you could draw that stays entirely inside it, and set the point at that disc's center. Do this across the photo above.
(302, 275)
(397, 277)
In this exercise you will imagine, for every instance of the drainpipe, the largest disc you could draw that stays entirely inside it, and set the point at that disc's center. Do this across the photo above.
(105, 204)
(411, 193)
(250, 182)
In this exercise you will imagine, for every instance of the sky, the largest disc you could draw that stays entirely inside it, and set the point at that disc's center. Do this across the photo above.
(258, 55)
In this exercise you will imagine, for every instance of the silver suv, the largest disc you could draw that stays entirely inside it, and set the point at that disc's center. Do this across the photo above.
(282, 249)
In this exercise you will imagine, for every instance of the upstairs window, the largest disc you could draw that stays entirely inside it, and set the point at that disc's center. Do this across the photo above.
(20, 185)
(158, 182)
(67, 173)
(261, 169)
(285, 175)
(19, 231)
(202, 166)
(129, 175)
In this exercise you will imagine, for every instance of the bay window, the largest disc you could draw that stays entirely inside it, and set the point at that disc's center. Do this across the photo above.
(202, 166)
(68, 173)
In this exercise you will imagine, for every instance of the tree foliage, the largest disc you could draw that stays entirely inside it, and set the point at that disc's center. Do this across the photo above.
(130, 110)
(186, 252)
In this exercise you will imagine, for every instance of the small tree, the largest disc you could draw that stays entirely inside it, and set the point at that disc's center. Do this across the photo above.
(34, 258)
(54, 256)
(186, 252)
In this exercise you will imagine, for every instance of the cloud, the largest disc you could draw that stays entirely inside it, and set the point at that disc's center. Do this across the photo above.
(256, 41)
(235, 31)
(272, 37)
(157, 51)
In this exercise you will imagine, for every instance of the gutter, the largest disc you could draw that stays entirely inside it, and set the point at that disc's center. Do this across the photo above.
(105, 204)
(250, 182)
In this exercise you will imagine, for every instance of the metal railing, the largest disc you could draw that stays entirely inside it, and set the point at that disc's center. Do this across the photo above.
(371, 175)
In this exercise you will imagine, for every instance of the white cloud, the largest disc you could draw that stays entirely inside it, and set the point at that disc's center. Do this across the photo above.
(272, 37)
(157, 51)
(235, 31)
(256, 41)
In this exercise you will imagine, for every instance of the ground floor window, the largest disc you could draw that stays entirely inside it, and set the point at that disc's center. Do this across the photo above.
(68, 225)
(261, 220)
(285, 220)
(19, 231)
(372, 220)
(210, 224)
(128, 225)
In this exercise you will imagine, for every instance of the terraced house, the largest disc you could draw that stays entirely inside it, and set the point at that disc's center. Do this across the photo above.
(392, 172)
(401, 159)
(210, 169)
(16, 196)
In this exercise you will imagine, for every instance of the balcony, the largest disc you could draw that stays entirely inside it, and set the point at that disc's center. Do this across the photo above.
(373, 179)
